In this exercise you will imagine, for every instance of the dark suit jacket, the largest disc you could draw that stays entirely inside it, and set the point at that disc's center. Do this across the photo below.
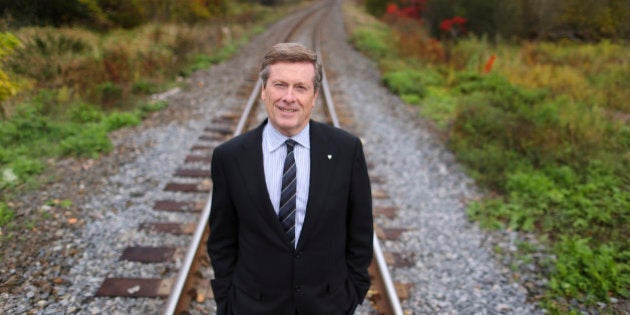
(256, 269)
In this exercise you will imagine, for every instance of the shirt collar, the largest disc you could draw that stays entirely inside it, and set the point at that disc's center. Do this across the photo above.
(275, 139)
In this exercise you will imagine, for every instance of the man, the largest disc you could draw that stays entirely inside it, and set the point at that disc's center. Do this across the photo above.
(291, 221)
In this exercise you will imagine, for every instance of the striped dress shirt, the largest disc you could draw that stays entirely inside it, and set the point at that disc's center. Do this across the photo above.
(274, 153)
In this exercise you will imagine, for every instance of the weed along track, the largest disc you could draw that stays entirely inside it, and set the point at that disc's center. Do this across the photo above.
(188, 192)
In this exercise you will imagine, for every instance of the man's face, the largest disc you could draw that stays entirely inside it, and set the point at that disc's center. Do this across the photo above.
(289, 96)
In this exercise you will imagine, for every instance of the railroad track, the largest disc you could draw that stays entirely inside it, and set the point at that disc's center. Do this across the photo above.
(193, 178)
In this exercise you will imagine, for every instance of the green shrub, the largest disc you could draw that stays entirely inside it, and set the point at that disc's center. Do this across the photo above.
(221, 54)
(30, 135)
(372, 41)
(18, 170)
(491, 213)
(204, 61)
(85, 113)
(30, 127)
(6, 214)
(57, 44)
(405, 82)
(513, 118)
(45, 103)
(440, 106)
(26, 125)
(8, 178)
(88, 142)
(504, 94)
(8, 134)
(533, 197)
(118, 120)
(109, 92)
(471, 53)
(152, 106)
(201, 62)
(6, 155)
(589, 272)
(411, 82)
(488, 163)
(25, 168)
(413, 99)
(145, 87)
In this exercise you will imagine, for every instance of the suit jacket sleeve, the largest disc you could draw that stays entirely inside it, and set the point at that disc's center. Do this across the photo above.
(223, 239)
(360, 229)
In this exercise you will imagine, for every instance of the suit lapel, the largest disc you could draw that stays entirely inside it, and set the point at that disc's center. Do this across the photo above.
(250, 162)
(322, 168)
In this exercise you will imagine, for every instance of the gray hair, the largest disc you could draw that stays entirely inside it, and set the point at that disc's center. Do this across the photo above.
(291, 52)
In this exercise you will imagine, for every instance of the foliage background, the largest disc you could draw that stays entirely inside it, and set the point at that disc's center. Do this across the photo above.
(530, 96)
(108, 14)
(532, 19)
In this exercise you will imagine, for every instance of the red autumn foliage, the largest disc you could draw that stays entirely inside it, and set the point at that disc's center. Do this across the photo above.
(392, 8)
(446, 25)
(411, 9)
(453, 25)
(458, 20)
(488, 67)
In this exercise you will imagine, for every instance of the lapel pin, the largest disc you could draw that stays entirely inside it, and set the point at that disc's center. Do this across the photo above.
(329, 156)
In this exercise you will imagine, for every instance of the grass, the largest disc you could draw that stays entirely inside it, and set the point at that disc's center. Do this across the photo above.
(543, 127)
(6, 214)
(31, 136)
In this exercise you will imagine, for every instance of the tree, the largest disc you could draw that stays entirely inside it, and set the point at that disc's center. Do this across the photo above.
(590, 19)
(45, 12)
(552, 19)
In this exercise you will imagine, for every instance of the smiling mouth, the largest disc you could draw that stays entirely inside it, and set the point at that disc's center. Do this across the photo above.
(287, 110)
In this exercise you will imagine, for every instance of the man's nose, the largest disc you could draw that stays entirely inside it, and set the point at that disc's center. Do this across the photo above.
(289, 96)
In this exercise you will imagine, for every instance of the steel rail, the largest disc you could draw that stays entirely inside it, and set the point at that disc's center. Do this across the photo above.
(242, 123)
(172, 305)
(326, 89)
(390, 289)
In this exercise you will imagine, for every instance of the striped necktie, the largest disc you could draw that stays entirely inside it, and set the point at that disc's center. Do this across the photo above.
(287, 195)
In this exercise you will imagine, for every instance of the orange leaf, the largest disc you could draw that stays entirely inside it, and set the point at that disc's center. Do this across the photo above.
(489, 64)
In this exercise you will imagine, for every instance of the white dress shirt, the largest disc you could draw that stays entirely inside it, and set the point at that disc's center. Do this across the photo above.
(274, 153)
